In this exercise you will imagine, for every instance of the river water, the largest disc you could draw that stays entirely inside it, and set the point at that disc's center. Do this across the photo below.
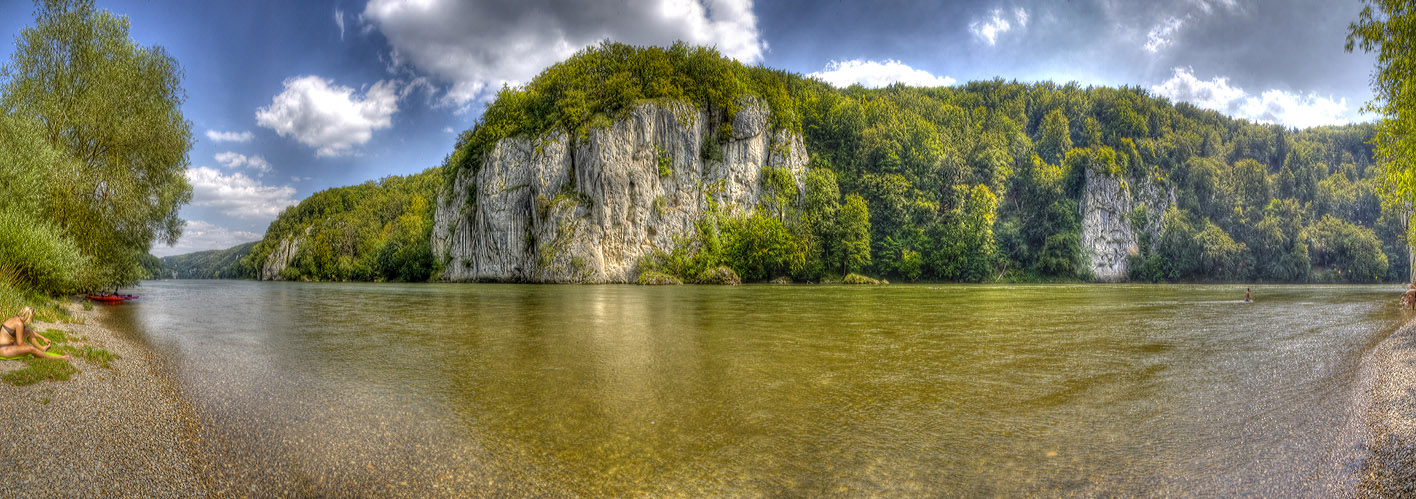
(442, 389)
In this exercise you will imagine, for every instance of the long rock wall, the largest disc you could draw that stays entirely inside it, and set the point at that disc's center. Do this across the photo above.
(552, 209)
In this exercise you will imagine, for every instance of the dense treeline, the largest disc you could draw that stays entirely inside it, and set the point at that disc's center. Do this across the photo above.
(93, 146)
(211, 264)
(983, 181)
(375, 231)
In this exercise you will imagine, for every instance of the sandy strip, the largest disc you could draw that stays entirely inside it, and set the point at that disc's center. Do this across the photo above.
(123, 431)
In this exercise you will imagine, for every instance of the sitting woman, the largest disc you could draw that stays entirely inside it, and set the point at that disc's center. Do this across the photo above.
(14, 333)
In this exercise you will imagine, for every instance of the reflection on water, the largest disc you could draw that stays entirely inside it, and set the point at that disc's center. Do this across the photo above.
(624, 390)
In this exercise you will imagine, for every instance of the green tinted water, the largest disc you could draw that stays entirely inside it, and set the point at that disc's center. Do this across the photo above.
(765, 390)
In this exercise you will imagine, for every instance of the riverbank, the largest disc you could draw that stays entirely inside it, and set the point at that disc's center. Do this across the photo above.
(122, 430)
(1390, 469)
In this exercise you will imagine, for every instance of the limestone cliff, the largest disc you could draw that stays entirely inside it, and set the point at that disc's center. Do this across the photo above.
(553, 209)
(281, 256)
(1108, 235)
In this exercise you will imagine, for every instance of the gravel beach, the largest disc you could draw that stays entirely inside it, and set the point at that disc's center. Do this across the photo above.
(121, 431)
(1390, 470)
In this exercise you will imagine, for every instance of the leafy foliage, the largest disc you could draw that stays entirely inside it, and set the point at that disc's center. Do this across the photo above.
(93, 144)
(980, 181)
(376, 231)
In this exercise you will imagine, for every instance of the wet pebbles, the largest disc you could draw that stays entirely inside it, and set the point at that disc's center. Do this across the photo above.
(122, 431)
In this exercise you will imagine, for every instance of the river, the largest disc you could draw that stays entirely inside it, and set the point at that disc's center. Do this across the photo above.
(472, 389)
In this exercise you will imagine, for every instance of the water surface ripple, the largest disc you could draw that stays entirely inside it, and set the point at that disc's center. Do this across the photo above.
(430, 389)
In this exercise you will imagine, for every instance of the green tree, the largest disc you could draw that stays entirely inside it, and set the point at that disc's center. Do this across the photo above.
(1346, 251)
(1056, 137)
(855, 235)
(114, 108)
(1387, 27)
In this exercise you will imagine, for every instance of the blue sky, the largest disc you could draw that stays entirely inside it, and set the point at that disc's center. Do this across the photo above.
(289, 98)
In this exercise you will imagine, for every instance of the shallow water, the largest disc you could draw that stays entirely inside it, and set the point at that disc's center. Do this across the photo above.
(766, 390)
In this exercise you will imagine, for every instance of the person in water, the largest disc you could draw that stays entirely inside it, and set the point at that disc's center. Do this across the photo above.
(15, 332)
(1248, 297)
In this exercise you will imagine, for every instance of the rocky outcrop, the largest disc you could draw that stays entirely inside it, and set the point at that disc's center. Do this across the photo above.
(281, 256)
(1108, 236)
(557, 208)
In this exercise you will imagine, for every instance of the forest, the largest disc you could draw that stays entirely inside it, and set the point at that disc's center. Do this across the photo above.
(210, 264)
(375, 231)
(979, 182)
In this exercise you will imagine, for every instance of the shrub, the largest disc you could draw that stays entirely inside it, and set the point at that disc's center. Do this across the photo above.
(860, 279)
(721, 275)
(652, 278)
(36, 255)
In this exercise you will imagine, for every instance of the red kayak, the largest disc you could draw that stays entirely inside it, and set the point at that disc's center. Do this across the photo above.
(109, 298)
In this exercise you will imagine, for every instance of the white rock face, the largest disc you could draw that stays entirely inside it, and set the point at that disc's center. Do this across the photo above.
(1107, 238)
(542, 209)
(280, 258)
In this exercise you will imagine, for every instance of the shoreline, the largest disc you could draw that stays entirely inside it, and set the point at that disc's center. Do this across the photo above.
(124, 430)
(1389, 469)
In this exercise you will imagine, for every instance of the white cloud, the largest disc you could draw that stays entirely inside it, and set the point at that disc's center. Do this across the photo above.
(1208, 5)
(331, 118)
(476, 47)
(1301, 111)
(202, 236)
(233, 160)
(876, 74)
(447, 129)
(1271, 106)
(216, 136)
(1162, 34)
(339, 20)
(997, 24)
(237, 195)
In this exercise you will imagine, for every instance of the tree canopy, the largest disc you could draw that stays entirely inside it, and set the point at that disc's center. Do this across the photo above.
(1387, 27)
(983, 181)
(95, 122)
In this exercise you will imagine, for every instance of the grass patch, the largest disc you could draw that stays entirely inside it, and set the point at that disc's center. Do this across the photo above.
(96, 356)
(57, 336)
(37, 370)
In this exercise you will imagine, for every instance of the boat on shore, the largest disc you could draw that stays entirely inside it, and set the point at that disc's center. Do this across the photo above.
(115, 298)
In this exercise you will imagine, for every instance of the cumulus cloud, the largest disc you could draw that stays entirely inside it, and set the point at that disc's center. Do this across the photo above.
(331, 118)
(233, 160)
(216, 136)
(1270, 106)
(475, 47)
(237, 195)
(988, 30)
(201, 236)
(876, 74)
(1162, 34)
